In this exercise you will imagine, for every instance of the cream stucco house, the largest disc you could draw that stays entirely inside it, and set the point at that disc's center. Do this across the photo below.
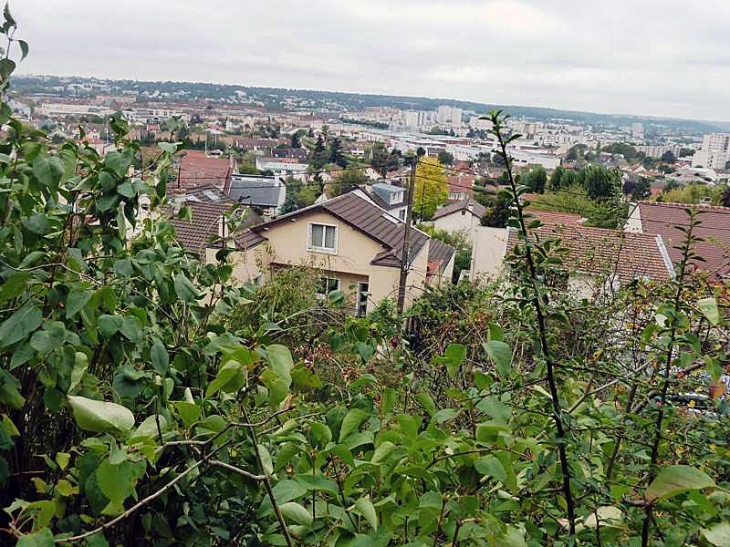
(356, 244)
(460, 216)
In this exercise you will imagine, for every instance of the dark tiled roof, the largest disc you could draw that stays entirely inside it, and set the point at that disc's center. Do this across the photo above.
(440, 253)
(668, 220)
(195, 234)
(202, 229)
(369, 219)
(256, 190)
(601, 252)
(478, 209)
(248, 239)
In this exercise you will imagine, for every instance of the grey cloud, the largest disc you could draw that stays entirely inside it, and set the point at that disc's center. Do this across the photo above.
(647, 57)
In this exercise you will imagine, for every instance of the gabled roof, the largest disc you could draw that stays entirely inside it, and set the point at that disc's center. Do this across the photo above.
(257, 190)
(669, 219)
(605, 253)
(197, 169)
(363, 215)
(477, 209)
(202, 230)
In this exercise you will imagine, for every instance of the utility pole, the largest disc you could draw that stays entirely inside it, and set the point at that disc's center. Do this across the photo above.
(404, 258)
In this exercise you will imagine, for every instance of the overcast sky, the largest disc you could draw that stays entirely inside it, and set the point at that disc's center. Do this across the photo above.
(643, 57)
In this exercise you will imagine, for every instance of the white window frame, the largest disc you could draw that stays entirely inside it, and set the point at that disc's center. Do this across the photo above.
(312, 247)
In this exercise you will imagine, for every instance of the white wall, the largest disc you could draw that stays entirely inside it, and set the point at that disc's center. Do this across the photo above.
(458, 222)
(490, 248)
(633, 223)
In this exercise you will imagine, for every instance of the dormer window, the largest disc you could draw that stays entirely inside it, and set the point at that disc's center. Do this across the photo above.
(322, 238)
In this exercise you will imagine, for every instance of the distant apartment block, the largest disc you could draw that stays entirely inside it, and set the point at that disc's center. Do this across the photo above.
(657, 151)
(449, 115)
(714, 152)
(149, 115)
(64, 109)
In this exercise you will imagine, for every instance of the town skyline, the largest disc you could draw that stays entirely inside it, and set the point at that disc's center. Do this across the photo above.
(635, 60)
(723, 123)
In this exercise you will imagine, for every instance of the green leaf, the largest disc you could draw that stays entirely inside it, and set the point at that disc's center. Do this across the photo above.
(318, 483)
(37, 223)
(77, 299)
(708, 307)
(50, 338)
(132, 329)
(491, 467)
(23, 49)
(444, 415)
(118, 162)
(366, 509)
(675, 480)
(107, 181)
(81, 364)
(41, 538)
(294, 512)
(189, 412)
(718, 535)
(500, 353)
(281, 361)
(231, 377)
(453, 358)
(382, 452)
(352, 422)
(185, 289)
(19, 325)
(288, 490)
(159, 357)
(100, 416)
(303, 378)
(266, 461)
(14, 286)
(109, 325)
(148, 428)
(117, 482)
(62, 459)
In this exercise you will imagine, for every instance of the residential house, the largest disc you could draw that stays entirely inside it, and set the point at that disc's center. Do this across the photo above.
(460, 216)
(671, 219)
(266, 193)
(596, 258)
(390, 197)
(207, 224)
(197, 169)
(461, 187)
(489, 245)
(357, 245)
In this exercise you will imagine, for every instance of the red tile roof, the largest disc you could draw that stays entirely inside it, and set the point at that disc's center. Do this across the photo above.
(605, 253)
(461, 184)
(551, 217)
(197, 169)
(668, 220)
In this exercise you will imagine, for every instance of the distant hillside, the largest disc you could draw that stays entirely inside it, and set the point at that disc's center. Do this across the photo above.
(338, 101)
